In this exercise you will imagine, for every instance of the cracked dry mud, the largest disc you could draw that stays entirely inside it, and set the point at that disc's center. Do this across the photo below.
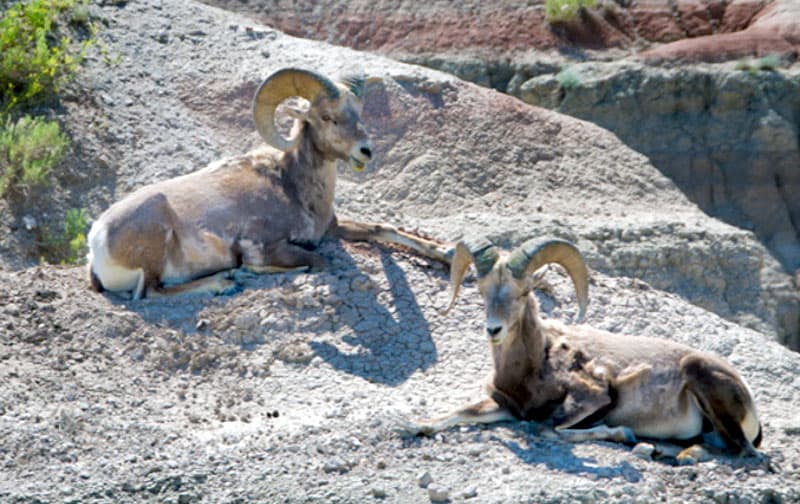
(287, 391)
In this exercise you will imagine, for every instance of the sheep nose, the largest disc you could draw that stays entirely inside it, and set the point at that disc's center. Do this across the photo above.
(493, 331)
(367, 152)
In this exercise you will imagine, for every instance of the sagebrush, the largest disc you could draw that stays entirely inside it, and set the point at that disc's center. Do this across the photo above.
(30, 148)
(565, 10)
(36, 54)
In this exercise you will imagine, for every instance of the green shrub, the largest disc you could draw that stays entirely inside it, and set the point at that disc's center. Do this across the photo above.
(74, 235)
(769, 63)
(29, 150)
(568, 79)
(36, 57)
(564, 10)
(67, 245)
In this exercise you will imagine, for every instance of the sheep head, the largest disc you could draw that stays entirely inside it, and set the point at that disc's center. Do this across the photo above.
(334, 117)
(505, 280)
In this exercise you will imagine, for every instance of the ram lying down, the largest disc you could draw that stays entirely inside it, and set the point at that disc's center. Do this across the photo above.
(589, 384)
(265, 210)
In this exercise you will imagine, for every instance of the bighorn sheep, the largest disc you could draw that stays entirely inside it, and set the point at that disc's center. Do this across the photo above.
(262, 210)
(588, 383)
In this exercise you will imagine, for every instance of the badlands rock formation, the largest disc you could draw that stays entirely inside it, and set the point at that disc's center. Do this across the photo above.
(287, 391)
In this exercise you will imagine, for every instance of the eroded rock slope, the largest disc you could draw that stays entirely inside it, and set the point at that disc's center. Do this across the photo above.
(704, 89)
(288, 389)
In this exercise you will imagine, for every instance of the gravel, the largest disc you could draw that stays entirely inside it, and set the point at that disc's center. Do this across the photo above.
(175, 400)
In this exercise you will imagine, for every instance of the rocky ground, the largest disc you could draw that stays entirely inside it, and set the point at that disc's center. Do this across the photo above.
(288, 391)
(708, 90)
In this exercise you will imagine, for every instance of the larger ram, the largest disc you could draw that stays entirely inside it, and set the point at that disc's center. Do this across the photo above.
(264, 210)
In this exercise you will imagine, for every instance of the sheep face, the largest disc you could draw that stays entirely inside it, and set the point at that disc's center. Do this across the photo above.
(505, 298)
(337, 130)
(505, 280)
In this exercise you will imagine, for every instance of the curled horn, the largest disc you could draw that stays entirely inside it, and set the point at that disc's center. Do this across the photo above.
(479, 251)
(535, 253)
(280, 86)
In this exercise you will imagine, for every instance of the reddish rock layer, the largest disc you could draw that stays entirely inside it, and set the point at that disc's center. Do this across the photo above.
(773, 29)
(696, 30)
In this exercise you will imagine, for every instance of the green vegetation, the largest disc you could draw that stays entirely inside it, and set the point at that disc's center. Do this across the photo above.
(74, 235)
(562, 11)
(29, 150)
(36, 57)
(768, 63)
(568, 79)
(67, 246)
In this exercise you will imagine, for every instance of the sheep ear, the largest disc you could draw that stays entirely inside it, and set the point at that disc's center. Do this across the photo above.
(480, 252)
(357, 84)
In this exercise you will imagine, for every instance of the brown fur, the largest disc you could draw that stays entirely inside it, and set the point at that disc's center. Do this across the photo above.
(263, 210)
(591, 384)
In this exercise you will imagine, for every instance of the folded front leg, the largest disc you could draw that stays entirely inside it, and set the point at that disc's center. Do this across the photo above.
(279, 257)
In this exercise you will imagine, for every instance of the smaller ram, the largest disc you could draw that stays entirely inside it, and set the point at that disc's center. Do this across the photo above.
(264, 210)
(587, 383)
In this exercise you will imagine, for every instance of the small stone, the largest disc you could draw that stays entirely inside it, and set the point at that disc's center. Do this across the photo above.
(792, 429)
(381, 464)
(506, 470)
(30, 222)
(378, 493)
(424, 479)
(438, 493)
(361, 283)
(469, 492)
(335, 465)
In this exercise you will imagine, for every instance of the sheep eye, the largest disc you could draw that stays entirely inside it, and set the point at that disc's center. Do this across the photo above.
(326, 117)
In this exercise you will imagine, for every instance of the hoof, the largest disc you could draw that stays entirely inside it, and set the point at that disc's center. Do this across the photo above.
(225, 284)
(692, 455)
(644, 451)
(626, 435)
(404, 427)
(229, 290)
(549, 434)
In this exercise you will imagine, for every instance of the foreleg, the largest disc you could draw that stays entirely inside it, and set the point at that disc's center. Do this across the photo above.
(280, 257)
(619, 434)
(372, 232)
(216, 284)
(483, 412)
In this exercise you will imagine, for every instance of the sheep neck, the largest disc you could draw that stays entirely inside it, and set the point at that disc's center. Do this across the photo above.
(312, 175)
(519, 363)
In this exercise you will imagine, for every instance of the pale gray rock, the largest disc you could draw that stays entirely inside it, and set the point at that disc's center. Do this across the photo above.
(468, 161)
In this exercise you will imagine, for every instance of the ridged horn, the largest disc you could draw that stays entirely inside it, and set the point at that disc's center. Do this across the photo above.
(279, 86)
(535, 253)
(479, 251)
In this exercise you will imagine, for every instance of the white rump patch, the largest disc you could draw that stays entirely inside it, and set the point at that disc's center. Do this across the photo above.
(113, 276)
